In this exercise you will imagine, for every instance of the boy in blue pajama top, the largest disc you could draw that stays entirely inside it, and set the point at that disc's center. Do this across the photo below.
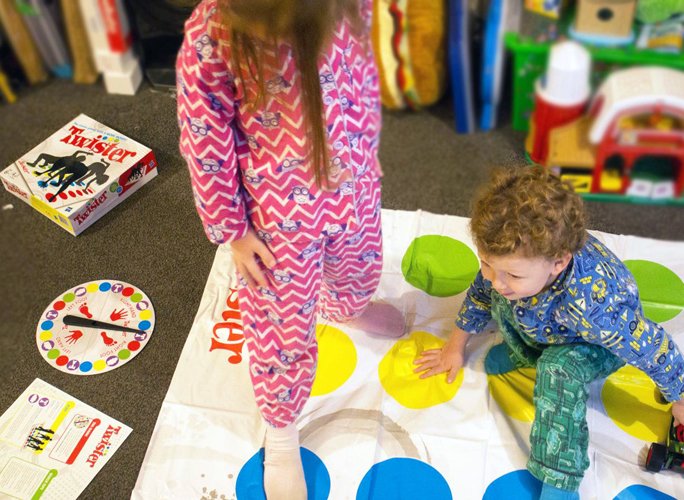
(564, 304)
(594, 300)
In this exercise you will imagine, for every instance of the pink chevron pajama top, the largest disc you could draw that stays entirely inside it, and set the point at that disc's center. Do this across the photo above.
(248, 165)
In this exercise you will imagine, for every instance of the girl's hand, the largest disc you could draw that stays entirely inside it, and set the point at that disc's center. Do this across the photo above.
(678, 412)
(249, 253)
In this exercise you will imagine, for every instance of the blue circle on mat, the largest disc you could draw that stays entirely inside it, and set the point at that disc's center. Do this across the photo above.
(519, 484)
(105, 286)
(403, 478)
(641, 492)
(144, 325)
(47, 325)
(86, 366)
(250, 480)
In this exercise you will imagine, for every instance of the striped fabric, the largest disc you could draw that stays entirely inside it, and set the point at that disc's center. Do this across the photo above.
(336, 275)
(251, 164)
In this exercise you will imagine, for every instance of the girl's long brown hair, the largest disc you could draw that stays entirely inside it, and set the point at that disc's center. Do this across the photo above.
(306, 25)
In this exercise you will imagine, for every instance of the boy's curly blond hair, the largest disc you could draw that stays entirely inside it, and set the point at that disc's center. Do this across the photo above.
(528, 209)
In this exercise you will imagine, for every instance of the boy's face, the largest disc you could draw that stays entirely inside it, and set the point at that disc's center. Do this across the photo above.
(516, 276)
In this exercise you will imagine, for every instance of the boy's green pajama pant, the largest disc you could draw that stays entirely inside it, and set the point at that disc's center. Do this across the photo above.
(559, 438)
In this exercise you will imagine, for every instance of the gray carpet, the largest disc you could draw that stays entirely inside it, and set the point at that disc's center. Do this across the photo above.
(154, 241)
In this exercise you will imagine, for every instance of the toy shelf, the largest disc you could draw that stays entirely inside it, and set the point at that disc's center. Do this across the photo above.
(619, 198)
(623, 198)
(529, 63)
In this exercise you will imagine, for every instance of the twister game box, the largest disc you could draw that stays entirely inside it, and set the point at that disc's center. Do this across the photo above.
(80, 172)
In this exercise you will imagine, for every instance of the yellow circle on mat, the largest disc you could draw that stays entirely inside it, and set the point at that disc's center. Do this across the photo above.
(45, 335)
(336, 360)
(629, 399)
(146, 314)
(398, 379)
(513, 392)
(99, 365)
(93, 287)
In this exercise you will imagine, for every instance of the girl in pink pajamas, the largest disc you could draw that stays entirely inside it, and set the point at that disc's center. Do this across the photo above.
(279, 118)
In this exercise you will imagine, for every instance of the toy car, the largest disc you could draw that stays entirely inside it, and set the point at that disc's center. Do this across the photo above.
(669, 455)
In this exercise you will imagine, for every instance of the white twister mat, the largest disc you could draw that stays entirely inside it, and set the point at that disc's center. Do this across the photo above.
(372, 429)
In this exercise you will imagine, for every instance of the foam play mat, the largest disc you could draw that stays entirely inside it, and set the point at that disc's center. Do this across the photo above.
(372, 429)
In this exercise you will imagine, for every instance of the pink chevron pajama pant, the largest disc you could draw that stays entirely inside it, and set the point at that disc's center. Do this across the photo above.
(334, 275)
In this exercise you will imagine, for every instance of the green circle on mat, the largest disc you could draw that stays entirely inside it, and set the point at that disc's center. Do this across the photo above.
(124, 354)
(53, 354)
(68, 297)
(136, 297)
(660, 289)
(439, 265)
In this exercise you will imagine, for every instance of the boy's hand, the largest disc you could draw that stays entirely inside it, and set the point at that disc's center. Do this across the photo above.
(678, 412)
(450, 358)
(247, 252)
(436, 361)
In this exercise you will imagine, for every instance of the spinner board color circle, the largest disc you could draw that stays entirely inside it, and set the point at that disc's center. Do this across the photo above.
(103, 305)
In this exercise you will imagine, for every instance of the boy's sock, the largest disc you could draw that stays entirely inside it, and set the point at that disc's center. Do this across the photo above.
(549, 492)
(383, 320)
(499, 360)
(283, 469)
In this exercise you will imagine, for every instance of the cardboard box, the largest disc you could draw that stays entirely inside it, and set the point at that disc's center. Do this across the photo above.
(116, 62)
(124, 82)
(608, 18)
(80, 173)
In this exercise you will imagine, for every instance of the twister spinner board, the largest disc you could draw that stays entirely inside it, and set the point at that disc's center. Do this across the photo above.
(95, 327)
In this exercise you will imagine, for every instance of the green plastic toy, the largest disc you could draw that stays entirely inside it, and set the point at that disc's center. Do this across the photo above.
(654, 11)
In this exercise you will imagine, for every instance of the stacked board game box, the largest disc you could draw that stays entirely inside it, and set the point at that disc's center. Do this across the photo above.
(80, 172)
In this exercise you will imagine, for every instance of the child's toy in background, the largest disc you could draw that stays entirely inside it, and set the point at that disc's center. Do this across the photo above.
(631, 142)
(42, 20)
(561, 95)
(669, 455)
(22, 43)
(665, 36)
(110, 38)
(604, 22)
(548, 8)
(409, 39)
(84, 67)
(503, 17)
(79, 173)
(530, 56)
(638, 128)
(654, 11)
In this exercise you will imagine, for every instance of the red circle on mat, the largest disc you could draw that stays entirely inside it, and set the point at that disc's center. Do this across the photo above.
(62, 360)
(49, 197)
(72, 194)
(127, 292)
(133, 345)
(63, 196)
(59, 305)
